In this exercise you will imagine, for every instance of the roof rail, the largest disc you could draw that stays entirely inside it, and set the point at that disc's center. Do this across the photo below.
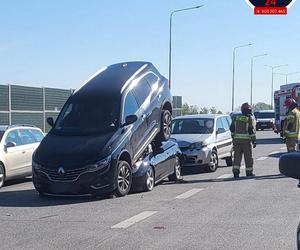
(21, 125)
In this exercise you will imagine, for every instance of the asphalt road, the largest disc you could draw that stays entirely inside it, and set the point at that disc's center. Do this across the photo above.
(206, 211)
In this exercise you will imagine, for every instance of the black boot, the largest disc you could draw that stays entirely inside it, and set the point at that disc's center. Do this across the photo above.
(250, 174)
(236, 174)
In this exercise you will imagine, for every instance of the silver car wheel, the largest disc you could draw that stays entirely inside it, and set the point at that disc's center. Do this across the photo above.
(213, 161)
(150, 178)
(177, 169)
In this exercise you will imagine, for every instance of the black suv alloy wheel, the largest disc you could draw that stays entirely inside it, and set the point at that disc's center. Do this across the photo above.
(124, 179)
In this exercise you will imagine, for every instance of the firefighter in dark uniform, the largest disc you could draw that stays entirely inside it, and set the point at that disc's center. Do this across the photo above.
(243, 135)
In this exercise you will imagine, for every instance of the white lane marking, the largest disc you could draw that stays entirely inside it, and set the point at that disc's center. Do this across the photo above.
(225, 176)
(262, 158)
(135, 219)
(274, 153)
(283, 148)
(189, 193)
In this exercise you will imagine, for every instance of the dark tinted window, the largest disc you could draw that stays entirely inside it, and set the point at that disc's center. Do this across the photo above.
(38, 135)
(88, 116)
(193, 126)
(26, 136)
(13, 136)
(266, 115)
(225, 123)
(130, 105)
(142, 90)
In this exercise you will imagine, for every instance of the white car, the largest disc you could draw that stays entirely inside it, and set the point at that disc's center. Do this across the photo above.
(17, 144)
(203, 139)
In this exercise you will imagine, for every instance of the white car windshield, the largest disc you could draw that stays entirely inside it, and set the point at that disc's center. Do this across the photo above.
(193, 126)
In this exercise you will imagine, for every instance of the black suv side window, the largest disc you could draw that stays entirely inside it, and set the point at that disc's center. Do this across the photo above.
(130, 105)
(142, 90)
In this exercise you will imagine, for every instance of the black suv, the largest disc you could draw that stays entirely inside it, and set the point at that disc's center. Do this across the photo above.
(102, 130)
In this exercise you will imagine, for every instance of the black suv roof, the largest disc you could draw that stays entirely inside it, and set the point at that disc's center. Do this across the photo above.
(110, 81)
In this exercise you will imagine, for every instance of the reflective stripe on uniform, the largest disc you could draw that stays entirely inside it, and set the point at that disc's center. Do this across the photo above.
(241, 136)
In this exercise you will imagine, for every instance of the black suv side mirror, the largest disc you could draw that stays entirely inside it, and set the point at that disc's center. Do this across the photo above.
(50, 121)
(221, 130)
(130, 119)
(289, 165)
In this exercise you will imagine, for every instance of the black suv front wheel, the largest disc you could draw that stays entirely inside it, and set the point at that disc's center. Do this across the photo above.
(123, 179)
(165, 126)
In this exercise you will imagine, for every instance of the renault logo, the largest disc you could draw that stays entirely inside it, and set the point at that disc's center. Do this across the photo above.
(61, 171)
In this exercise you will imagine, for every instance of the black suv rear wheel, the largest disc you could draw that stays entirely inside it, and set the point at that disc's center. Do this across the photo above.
(165, 126)
(123, 179)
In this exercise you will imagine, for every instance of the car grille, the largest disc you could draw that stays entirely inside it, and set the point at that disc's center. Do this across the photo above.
(69, 175)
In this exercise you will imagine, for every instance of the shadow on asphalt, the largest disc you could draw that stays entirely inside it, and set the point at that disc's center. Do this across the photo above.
(17, 181)
(265, 141)
(277, 155)
(30, 198)
(242, 178)
(196, 170)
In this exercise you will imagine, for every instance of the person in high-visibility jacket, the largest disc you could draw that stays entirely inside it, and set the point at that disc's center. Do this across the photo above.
(291, 129)
(243, 134)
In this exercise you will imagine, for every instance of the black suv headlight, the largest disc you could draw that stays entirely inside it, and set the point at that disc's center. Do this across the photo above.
(99, 165)
(36, 166)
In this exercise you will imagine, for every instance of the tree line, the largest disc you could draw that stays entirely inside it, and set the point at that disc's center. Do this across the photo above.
(194, 109)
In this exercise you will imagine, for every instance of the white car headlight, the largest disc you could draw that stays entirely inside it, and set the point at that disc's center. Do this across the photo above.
(197, 145)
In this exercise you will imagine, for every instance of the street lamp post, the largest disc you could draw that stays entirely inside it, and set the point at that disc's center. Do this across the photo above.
(233, 71)
(170, 37)
(286, 75)
(252, 62)
(272, 86)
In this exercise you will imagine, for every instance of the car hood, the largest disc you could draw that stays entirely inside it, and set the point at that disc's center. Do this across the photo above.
(184, 140)
(72, 151)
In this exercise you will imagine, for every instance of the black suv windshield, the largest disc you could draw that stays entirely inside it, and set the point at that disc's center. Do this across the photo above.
(266, 115)
(88, 117)
(193, 126)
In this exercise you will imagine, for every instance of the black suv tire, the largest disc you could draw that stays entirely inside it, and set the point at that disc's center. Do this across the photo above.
(165, 126)
(123, 180)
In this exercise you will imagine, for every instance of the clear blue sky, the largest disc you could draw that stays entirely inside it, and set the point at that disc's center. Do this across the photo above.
(60, 43)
